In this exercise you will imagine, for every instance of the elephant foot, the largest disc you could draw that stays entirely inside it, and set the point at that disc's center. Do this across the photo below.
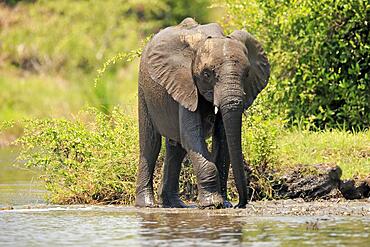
(145, 198)
(210, 200)
(171, 201)
(241, 205)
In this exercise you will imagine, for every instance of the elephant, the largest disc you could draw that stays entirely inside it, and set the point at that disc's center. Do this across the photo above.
(195, 82)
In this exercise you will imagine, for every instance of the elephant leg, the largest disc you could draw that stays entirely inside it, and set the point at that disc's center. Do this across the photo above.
(150, 145)
(220, 153)
(193, 141)
(169, 189)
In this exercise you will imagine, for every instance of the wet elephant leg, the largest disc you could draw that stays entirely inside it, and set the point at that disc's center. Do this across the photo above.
(150, 145)
(193, 141)
(169, 189)
(220, 154)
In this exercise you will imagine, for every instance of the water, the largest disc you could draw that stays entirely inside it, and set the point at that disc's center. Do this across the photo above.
(32, 222)
(127, 226)
(18, 185)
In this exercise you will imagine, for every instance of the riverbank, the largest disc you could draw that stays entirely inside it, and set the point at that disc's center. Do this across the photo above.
(93, 160)
(296, 207)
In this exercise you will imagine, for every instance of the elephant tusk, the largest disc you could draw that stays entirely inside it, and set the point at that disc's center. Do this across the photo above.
(216, 109)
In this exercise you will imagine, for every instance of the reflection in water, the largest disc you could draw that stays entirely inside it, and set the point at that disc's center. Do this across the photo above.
(294, 231)
(127, 226)
(187, 226)
(18, 186)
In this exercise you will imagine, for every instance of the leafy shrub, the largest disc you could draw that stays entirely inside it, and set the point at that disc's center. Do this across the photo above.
(319, 51)
(177, 10)
(93, 158)
(88, 160)
(14, 2)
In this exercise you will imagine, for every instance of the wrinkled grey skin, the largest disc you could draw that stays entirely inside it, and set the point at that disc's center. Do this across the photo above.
(185, 72)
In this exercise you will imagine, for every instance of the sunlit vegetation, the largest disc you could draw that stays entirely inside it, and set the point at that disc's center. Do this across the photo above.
(90, 159)
(350, 151)
(319, 52)
(69, 40)
(58, 57)
(93, 157)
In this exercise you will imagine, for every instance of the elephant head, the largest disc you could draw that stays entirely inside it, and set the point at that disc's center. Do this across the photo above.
(229, 71)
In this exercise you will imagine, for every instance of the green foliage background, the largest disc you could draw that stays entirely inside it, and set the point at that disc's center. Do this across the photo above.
(320, 57)
(67, 41)
(319, 52)
(60, 36)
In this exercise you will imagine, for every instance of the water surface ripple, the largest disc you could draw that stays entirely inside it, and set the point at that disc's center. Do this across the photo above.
(128, 226)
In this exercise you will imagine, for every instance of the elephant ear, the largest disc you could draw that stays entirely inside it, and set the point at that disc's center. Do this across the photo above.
(259, 71)
(170, 55)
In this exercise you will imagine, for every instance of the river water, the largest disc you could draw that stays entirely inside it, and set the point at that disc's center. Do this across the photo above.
(27, 220)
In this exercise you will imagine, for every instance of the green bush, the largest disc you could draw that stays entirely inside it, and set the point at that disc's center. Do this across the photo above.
(319, 51)
(177, 10)
(14, 2)
(91, 159)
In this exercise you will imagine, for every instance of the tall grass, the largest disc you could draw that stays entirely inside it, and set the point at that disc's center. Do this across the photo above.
(351, 151)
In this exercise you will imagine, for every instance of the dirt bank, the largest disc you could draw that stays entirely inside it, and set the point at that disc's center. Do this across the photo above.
(299, 207)
(290, 207)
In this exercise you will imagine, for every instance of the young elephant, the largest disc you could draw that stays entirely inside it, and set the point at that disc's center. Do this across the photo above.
(187, 73)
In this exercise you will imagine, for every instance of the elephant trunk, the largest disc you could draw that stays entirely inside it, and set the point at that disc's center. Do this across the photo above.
(231, 110)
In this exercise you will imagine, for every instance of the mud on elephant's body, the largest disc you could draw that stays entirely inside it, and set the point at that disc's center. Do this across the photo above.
(187, 73)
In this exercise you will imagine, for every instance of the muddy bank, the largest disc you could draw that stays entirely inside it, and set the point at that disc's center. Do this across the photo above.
(303, 182)
(321, 181)
(299, 207)
(313, 182)
(296, 207)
